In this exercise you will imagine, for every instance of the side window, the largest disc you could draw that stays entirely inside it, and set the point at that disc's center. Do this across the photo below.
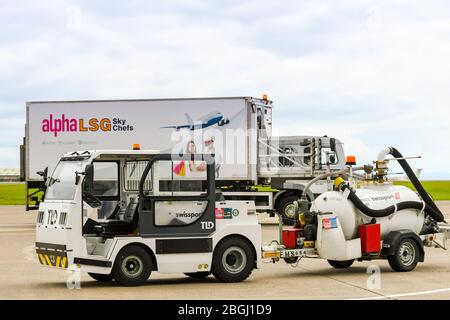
(106, 179)
(182, 177)
(307, 159)
(132, 176)
(328, 156)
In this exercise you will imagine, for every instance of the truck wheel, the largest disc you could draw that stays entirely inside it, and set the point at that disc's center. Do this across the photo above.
(198, 275)
(101, 277)
(132, 267)
(286, 208)
(405, 257)
(233, 260)
(341, 264)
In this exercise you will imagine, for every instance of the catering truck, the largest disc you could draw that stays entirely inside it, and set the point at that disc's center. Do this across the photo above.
(251, 163)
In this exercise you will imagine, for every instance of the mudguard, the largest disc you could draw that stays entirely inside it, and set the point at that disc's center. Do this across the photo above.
(393, 238)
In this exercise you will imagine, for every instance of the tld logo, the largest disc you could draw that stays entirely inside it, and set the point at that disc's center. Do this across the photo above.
(207, 225)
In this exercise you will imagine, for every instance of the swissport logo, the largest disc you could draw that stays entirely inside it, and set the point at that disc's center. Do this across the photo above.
(56, 125)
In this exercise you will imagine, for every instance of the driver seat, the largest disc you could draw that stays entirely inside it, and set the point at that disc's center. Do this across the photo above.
(128, 225)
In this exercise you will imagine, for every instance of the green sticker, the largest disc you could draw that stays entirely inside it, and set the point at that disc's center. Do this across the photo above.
(235, 212)
(228, 213)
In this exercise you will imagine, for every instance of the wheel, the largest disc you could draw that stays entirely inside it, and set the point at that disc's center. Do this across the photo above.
(101, 277)
(198, 275)
(286, 208)
(233, 260)
(405, 257)
(132, 267)
(291, 260)
(341, 264)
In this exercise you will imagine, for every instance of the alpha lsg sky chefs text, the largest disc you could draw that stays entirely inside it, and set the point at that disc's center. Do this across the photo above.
(56, 125)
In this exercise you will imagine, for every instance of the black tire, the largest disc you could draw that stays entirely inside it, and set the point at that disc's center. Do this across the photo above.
(291, 260)
(406, 256)
(285, 207)
(233, 260)
(198, 275)
(132, 267)
(101, 277)
(341, 264)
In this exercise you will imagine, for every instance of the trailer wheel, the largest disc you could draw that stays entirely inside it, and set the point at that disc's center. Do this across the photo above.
(101, 277)
(233, 260)
(341, 264)
(405, 257)
(198, 275)
(286, 208)
(132, 267)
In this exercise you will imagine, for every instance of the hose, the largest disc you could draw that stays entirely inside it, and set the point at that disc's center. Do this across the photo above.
(433, 210)
(328, 174)
(380, 213)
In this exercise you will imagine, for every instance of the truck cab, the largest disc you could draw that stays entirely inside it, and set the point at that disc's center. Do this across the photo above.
(286, 165)
(121, 214)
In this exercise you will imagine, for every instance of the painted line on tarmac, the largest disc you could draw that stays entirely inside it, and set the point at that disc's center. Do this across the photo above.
(17, 231)
(381, 296)
(398, 295)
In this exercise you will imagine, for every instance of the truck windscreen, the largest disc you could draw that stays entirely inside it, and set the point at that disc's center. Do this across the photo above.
(61, 186)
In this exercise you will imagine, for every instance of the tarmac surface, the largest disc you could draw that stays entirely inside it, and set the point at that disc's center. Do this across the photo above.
(21, 277)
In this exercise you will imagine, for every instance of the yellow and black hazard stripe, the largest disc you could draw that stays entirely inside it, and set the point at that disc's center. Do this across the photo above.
(53, 255)
(53, 260)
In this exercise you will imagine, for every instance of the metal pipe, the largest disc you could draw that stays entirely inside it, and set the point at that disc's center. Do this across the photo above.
(280, 228)
(322, 176)
(383, 153)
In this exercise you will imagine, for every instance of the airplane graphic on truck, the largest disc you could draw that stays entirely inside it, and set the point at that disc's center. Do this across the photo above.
(204, 122)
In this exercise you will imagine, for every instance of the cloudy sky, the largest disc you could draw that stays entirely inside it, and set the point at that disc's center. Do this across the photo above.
(372, 73)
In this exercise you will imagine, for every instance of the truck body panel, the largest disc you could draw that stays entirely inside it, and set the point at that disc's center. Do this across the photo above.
(54, 128)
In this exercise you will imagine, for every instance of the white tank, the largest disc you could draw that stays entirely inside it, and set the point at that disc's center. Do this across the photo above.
(375, 197)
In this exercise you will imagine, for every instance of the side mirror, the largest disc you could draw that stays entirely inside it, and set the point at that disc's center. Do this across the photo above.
(88, 183)
(88, 186)
(43, 174)
(331, 159)
(333, 144)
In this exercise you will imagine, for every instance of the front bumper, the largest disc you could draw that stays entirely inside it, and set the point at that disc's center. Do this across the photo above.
(52, 255)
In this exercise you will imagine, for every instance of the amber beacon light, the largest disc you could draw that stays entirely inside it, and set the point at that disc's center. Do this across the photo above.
(350, 160)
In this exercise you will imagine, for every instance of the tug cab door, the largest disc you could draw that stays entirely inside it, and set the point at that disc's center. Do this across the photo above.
(181, 202)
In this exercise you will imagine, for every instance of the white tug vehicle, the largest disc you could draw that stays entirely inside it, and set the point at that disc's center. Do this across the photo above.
(121, 214)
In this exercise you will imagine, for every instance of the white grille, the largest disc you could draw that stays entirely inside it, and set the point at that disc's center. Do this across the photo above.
(40, 217)
(62, 218)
